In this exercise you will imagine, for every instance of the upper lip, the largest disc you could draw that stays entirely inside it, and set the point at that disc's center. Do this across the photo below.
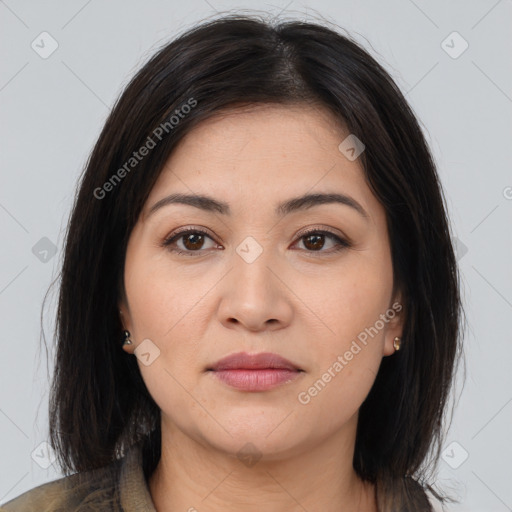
(245, 361)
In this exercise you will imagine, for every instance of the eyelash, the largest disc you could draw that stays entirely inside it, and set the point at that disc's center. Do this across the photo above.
(341, 243)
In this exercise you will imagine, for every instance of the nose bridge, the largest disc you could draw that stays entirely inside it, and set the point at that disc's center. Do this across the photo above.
(252, 294)
(251, 261)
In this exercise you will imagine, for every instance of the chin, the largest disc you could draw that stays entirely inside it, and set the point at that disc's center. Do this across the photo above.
(269, 438)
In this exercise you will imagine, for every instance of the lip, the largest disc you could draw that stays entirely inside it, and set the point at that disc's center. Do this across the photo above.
(256, 372)
(261, 361)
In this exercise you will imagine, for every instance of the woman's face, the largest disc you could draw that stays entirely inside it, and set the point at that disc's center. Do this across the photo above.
(257, 282)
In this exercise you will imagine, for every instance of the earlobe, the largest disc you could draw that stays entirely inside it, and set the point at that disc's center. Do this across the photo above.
(392, 345)
(393, 341)
(127, 342)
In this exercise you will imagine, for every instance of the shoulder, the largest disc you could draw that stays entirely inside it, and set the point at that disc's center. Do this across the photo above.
(46, 497)
(78, 492)
(117, 487)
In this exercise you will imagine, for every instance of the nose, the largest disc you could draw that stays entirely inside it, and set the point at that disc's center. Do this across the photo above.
(254, 295)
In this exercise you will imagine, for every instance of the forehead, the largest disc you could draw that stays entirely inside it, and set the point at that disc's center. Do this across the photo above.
(264, 153)
(262, 132)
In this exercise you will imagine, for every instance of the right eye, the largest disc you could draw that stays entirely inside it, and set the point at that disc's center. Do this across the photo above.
(192, 241)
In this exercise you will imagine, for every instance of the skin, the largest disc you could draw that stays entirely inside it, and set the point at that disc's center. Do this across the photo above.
(306, 305)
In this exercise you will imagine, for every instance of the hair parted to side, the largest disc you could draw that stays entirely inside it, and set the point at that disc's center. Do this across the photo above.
(99, 404)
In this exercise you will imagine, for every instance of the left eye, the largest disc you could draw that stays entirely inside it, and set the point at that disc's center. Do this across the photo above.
(316, 241)
(193, 242)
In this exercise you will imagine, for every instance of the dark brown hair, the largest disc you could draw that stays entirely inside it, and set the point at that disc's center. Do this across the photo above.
(99, 403)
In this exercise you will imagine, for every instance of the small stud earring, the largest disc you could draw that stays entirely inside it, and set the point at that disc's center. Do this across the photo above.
(127, 340)
(396, 343)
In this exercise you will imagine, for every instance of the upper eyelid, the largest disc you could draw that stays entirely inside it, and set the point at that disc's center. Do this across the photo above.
(301, 233)
(190, 229)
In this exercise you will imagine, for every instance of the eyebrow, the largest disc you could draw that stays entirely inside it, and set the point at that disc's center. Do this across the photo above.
(295, 204)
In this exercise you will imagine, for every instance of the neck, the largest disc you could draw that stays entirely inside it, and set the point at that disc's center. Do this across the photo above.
(191, 476)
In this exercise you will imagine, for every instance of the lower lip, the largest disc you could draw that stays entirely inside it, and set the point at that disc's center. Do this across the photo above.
(256, 380)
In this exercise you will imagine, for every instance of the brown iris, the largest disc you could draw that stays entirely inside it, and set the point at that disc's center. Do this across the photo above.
(318, 242)
(193, 241)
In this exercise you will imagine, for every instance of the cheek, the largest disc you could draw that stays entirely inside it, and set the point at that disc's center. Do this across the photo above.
(163, 307)
(160, 298)
(346, 362)
(348, 354)
(350, 300)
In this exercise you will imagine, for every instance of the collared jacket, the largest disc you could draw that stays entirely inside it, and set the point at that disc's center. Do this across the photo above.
(120, 487)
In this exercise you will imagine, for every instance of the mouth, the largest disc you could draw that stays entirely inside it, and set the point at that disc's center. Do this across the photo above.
(258, 372)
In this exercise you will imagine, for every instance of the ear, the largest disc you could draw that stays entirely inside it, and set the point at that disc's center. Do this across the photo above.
(396, 316)
(126, 322)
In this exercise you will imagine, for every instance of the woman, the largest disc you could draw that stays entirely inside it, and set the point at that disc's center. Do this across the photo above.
(259, 306)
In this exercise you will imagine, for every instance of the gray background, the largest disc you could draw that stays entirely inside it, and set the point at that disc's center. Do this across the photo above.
(53, 108)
